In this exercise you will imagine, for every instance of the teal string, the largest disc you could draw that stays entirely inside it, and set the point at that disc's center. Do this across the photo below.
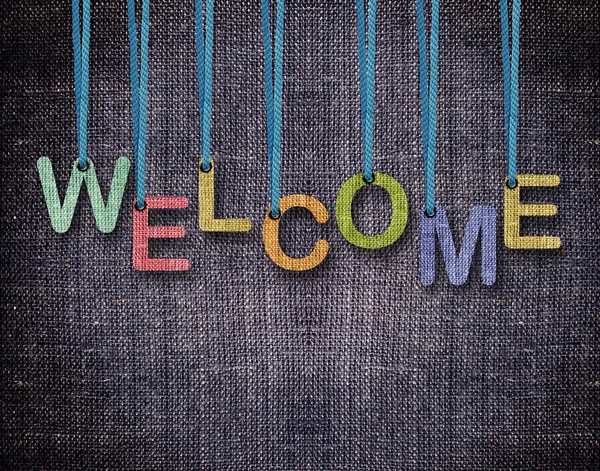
(428, 86)
(366, 65)
(274, 97)
(510, 70)
(204, 51)
(139, 94)
(268, 60)
(81, 53)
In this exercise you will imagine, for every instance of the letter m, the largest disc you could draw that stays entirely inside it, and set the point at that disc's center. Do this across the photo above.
(482, 219)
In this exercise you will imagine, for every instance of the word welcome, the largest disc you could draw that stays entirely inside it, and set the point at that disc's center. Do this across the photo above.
(480, 226)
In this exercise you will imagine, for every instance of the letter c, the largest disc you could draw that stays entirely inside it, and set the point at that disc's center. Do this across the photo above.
(271, 234)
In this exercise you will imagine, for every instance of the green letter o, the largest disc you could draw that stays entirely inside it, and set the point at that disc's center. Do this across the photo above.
(343, 212)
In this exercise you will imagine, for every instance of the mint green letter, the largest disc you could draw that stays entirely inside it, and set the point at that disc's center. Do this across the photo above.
(62, 215)
(343, 212)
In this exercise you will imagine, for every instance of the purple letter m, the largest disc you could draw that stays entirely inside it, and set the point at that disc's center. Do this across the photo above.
(482, 218)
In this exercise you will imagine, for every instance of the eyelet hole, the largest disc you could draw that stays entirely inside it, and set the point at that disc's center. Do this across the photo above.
(508, 185)
(140, 208)
(273, 216)
(432, 215)
(206, 170)
(368, 182)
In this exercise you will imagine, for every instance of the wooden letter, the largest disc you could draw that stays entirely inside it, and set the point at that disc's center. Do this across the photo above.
(271, 234)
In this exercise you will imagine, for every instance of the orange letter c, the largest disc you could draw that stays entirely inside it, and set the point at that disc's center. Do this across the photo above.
(271, 234)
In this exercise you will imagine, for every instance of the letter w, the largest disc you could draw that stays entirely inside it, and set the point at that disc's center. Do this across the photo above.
(62, 215)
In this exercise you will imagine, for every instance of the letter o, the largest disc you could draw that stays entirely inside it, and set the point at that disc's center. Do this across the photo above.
(343, 212)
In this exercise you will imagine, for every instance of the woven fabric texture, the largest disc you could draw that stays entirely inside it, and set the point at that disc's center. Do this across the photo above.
(237, 364)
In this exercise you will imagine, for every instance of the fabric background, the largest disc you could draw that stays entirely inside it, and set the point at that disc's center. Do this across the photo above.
(240, 365)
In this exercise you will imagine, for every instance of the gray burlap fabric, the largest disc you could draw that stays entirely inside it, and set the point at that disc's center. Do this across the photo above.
(354, 365)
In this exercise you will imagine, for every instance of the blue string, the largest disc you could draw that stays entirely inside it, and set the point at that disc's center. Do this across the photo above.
(366, 65)
(428, 85)
(273, 95)
(204, 50)
(268, 59)
(510, 69)
(139, 93)
(81, 52)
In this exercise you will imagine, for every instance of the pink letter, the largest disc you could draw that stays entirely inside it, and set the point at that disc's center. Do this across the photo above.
(142, 232)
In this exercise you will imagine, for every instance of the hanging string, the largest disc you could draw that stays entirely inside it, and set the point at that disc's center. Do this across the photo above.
(204, 50)
(366, 65)
(273, 96)
(139, 94)
(428, 85)
(510, 69)
(81, 52)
